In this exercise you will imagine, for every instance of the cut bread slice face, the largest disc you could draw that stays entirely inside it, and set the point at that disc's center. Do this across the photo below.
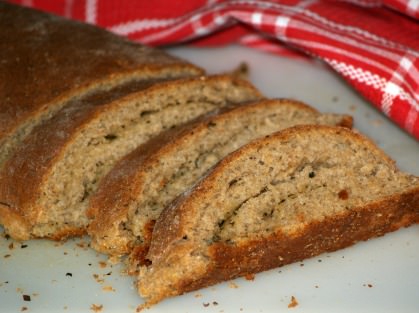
(47, 60)
(131, 197)
(280, 199)
(45, 186)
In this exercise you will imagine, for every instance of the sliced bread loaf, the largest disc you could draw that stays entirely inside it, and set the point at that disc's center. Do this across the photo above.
(132, 195)
(280, 199)
(46, 60)
(45, 186)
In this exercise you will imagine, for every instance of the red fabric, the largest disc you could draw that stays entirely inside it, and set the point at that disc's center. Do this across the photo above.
(373, 44)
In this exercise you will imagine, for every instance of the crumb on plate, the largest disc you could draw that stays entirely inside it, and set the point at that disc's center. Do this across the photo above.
(293, 303)
(107, 288)
(198, 295)
(26, 297)
(96, 307)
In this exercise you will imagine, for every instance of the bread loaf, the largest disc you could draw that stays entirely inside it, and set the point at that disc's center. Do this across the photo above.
(45, 186)
(289, 196)
(45, 61)
(132, 195)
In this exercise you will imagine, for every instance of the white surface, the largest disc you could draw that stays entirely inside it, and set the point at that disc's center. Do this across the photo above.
(381, 275)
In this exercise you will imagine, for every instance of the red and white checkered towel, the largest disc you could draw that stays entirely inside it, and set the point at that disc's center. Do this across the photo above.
(373, 44)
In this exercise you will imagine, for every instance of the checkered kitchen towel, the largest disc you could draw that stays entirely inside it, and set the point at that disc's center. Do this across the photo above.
(373, 44)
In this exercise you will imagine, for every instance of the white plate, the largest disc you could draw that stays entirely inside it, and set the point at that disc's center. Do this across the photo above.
(381, 275)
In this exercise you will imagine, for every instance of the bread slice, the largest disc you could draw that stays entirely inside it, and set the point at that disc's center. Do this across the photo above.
(132, 195)
(46, 60)
(289, 196)
(45, 186)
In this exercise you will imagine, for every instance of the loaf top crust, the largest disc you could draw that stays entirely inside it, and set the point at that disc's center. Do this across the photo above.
(23, 175)
(46, 59)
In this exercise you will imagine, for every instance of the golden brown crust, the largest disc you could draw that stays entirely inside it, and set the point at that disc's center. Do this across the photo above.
(23, 175)
(334, 233)
(46, 59)
(109, 206)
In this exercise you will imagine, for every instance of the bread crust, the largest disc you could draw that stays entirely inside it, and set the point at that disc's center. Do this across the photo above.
(23, 176)
(46, 60)
(109, 205)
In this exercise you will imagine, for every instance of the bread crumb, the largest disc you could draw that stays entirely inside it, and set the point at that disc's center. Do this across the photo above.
(96, 307)
(233, 285)
(82, 244)
(24, 308)
(198, 295)
(108, 288)
(241, 71)
(102, 264)
(293, 302)
(114, 259)
(98, 280)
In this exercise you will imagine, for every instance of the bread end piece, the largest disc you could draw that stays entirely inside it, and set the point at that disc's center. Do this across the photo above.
(184, 260)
